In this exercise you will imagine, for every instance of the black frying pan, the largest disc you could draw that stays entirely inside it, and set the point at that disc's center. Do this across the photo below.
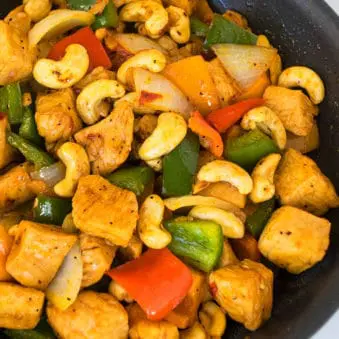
(306, 32)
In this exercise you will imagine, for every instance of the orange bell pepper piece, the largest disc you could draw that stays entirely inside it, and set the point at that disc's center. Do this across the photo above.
(157, 280)
(85, 37)
(5, 247)
(212, 138)
(226, 117)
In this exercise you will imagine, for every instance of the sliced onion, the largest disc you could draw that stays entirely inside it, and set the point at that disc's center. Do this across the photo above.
(65, 287)
(51, 175)
(134, 43)
(165, 95)
(245, 63)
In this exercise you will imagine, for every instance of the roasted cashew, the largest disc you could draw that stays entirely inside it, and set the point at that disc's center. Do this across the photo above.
(133, 99)
(263, 178)
(222, 170)
(155, 164)
(149, 11)
(150, 229)
(169, 133)
(300, 76)
(196, 331)
(119, 292)
(58, 22)
(179, 22)
(151, 59)
(268, 121)
(93, 94)
(37, 9)
(213, 319)
(64, 73)
(77, 165)
(231, 225)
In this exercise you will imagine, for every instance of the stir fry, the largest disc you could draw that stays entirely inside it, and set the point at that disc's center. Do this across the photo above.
(152, 158)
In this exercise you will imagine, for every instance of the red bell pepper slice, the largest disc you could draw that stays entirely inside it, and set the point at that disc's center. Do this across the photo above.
(85, 37)
(224, 118)
(212, 139)
(157, 280)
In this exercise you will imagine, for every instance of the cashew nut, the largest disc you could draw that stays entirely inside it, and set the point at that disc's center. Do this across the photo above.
(263, 178)
(64, 73)
(268, 121)
(213, 319)
(179, 22)
(231, 225)
(195, 332)
(275, 69)
(198, 200)
(222, 170)
(133, 99)
(77, 165)
(151, 59)
(119, 292)
(300, 76)
(170, 131)
(155, 164)
(37, 9)
(151, 231)
(93, 94)
(149, 11)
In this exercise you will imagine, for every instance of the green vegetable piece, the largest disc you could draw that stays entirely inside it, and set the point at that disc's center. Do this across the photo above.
(3, 100)
(223, 30)
(14, 101)
(51, 210)
(31, 152)
(28, 128)
(108, 18)
(135, 179)
(199, 243)
(249, 148)
(82, 5)
(198, 27)
(179, 167)
(256, 222)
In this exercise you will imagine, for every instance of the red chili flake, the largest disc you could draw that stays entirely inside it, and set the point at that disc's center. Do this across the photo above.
(213, 289)
(146, 97)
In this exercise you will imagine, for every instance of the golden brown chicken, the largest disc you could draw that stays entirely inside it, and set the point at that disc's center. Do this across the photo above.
(92, 316)
(105, 210)
(97, 257)
(20, 307)
(56, 116)
(244, 291)
(294, 239)
(7, 152)
(109, 142)
(19, 20)
(300, 183)
(37, 253)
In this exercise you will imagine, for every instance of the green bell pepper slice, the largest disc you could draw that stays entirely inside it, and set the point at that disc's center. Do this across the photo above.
(14, 102)
(28, 128)
(135, 179)
(179, 167)
(199, 243)
(249, 148)
(82, 5)
(223, 31)
(3, 100)
(198, 28)
(31, 152)
(108, 18)
(256, 222)
(51, 210)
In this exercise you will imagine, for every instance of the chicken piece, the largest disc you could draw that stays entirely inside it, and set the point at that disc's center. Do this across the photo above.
(37, 253)
(226, 86)
(237, 18)
(92, 316)
(300, 183)
(7, 152)
(20, 307)
(293, 107)
(16, 59)
(17, 187)
(294, 239)
(228, 256)
(97, 257)
(109, 142)
(18, 19)
(105, 210)
(143, 328)
(145, 126)
(133, 250)
(56, 116)
(187, 5)
(185, 314)
(244, 291)
(99, 73)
